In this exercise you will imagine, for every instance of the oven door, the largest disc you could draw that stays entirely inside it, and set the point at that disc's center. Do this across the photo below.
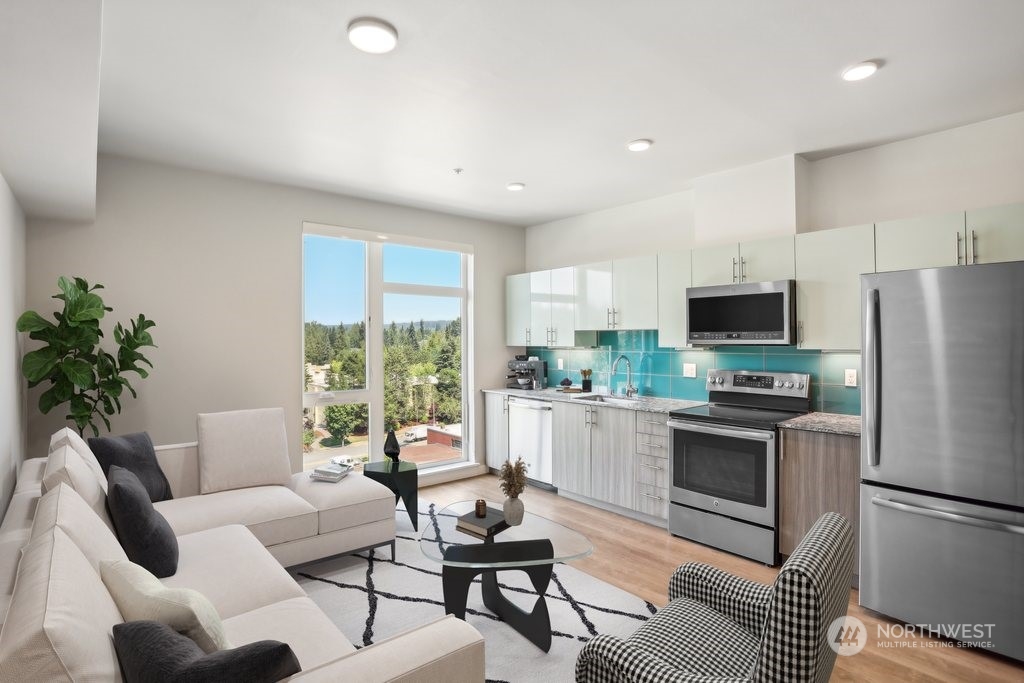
(725, 470)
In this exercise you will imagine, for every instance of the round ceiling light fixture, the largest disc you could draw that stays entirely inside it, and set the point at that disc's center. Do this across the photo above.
(515, 187)
(858, 72)
(641, 145)
(375, 36)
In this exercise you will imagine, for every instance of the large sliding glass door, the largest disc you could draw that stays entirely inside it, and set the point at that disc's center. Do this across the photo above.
(384, 348)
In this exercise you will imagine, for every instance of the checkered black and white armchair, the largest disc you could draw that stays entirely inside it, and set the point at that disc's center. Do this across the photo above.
(719, 628)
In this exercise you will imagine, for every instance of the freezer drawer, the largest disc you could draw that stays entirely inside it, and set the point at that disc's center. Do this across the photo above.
(927, 560)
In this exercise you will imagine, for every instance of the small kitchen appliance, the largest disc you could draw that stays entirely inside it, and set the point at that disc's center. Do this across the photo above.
(527, 374)
(723, 460)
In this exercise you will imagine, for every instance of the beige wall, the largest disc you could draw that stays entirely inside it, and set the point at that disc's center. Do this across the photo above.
(12, 303)
(216, 261)
(972, 166)
(628, 230)
(757, 200)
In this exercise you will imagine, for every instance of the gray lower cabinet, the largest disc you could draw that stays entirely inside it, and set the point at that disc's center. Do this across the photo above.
(495, 429)
(651, 465)
(570, 447)
(612, 432)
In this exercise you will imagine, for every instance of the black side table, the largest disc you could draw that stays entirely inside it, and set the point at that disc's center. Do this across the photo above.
(402, 478)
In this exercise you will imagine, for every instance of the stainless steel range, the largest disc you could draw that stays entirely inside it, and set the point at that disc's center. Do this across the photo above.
(724, 459)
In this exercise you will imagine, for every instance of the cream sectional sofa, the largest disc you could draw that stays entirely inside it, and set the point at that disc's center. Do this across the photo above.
(58, 615)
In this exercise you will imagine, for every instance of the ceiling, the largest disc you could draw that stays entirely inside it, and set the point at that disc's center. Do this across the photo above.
(545, 92)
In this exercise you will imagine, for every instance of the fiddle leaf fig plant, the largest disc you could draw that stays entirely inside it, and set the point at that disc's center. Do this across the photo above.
(78, 371)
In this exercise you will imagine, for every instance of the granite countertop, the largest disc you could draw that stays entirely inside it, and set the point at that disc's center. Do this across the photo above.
(648, 403)
(831, 423)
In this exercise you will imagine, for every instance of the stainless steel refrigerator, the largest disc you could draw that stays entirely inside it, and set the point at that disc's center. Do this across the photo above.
(942, 451)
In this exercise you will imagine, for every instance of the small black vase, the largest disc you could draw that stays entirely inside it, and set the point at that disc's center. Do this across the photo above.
(391, 447)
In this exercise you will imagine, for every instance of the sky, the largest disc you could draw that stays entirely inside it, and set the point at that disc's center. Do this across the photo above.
(334, 281)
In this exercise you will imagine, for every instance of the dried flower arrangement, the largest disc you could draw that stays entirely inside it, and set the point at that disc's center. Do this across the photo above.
(513, 478)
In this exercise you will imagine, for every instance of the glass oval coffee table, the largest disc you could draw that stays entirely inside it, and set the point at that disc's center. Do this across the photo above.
(533, 547)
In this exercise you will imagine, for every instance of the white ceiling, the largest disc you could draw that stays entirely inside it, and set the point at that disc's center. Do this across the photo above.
(546, 92)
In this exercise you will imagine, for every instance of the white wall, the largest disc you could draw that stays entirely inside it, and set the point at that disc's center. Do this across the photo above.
(629, 230)
(216, 261)
(758, 200)
(977, 165)
(12, 303)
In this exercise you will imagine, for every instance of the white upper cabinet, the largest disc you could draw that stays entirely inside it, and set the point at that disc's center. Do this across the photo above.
(517, 309)
(996, 234)
(828, 268)
(762, 260)
(551, 307)
(928, 242)
(635, 293)
(673, 279)
(617, 295)
(594, 296)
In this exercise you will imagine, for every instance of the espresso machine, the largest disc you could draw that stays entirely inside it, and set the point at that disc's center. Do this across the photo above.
(527, 374)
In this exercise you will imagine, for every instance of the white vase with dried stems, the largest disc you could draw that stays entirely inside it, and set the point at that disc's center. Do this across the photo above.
(513, 481)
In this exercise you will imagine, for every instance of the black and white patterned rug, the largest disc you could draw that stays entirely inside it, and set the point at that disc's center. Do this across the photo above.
(370, 598)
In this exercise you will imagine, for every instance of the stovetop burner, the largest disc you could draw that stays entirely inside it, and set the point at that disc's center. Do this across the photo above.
(743, 398)
(739, 416)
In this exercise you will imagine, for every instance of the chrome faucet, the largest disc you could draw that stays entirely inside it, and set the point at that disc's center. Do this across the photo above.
(630, 389)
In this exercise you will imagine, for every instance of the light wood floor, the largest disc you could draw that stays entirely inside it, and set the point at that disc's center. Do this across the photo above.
(640, 558)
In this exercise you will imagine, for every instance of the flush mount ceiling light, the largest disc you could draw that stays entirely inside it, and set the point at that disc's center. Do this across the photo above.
(640, 145)
(375, 36)
(858, 72)
(515, 187)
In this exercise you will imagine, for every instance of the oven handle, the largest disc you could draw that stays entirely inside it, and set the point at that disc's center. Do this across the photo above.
(721, 431)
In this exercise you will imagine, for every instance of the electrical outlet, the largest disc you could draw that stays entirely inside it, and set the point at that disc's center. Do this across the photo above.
(561, 364)
(689, 369)
(851, 377)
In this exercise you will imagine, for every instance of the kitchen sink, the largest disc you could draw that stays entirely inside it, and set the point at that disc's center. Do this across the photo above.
(610, 400)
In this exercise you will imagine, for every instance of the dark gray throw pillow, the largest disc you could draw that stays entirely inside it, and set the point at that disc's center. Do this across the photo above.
(144, 534)
(151, 652)
(133, 452)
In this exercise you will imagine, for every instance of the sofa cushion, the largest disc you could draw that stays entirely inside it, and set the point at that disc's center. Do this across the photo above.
(353, 501)
(298, 622)
(133, 452)
(64, 508)
(151, 652)
(242, 448)
(64, 464)
(140, 596)
(69, 437)
(30, 476)
(275, 514)
(60, 619)
(212, 561)
(144, 534)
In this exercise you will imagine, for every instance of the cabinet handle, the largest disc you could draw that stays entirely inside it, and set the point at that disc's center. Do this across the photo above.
(652, 445)
(654, 422)
(974, 246)
(608, 319)
(734, 276)
(586, 417)
(554, 335)
(615, 316)
(527, 335)
(647, 495)
(743, 269)
(959, 239)
(800, 333)
(652, 467)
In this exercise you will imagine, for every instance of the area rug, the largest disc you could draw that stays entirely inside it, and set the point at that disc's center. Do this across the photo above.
(370, 598)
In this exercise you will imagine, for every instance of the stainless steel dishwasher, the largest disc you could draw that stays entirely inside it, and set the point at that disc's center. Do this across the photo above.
(529, 436)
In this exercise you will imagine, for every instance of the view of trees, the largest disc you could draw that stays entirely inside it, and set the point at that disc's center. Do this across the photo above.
(422, 374)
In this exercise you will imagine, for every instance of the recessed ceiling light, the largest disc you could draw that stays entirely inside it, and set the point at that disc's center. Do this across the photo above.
(639, 145)
(516, 187)
(375, 36)
(858, 72)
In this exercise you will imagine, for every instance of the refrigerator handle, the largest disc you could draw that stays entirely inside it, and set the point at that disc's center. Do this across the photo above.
(934, 513)
(872, 378)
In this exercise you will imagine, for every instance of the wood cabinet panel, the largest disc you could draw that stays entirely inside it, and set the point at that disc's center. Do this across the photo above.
(612, 433)
(570, 447)
(926, 242)
(651, 500)
(819, 473)
(996, 233)
(673, 279)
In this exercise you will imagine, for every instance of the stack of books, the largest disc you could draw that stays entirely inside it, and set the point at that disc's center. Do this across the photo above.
(331, 472)
(482, 527)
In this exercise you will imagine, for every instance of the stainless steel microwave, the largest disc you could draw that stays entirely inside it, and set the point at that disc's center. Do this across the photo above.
(744, 313)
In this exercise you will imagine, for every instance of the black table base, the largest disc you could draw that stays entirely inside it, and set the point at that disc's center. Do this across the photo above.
(403, 480)
(535, 625)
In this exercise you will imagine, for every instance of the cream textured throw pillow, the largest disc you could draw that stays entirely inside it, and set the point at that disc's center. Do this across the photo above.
(243, 448)
(69, 437)
(141, 597)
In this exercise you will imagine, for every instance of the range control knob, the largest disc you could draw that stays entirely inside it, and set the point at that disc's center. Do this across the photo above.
(800, 385)
(778, 384)
(720, 380)
(789, 385)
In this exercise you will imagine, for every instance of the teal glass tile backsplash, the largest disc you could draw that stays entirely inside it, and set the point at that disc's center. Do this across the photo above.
(659, 371)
